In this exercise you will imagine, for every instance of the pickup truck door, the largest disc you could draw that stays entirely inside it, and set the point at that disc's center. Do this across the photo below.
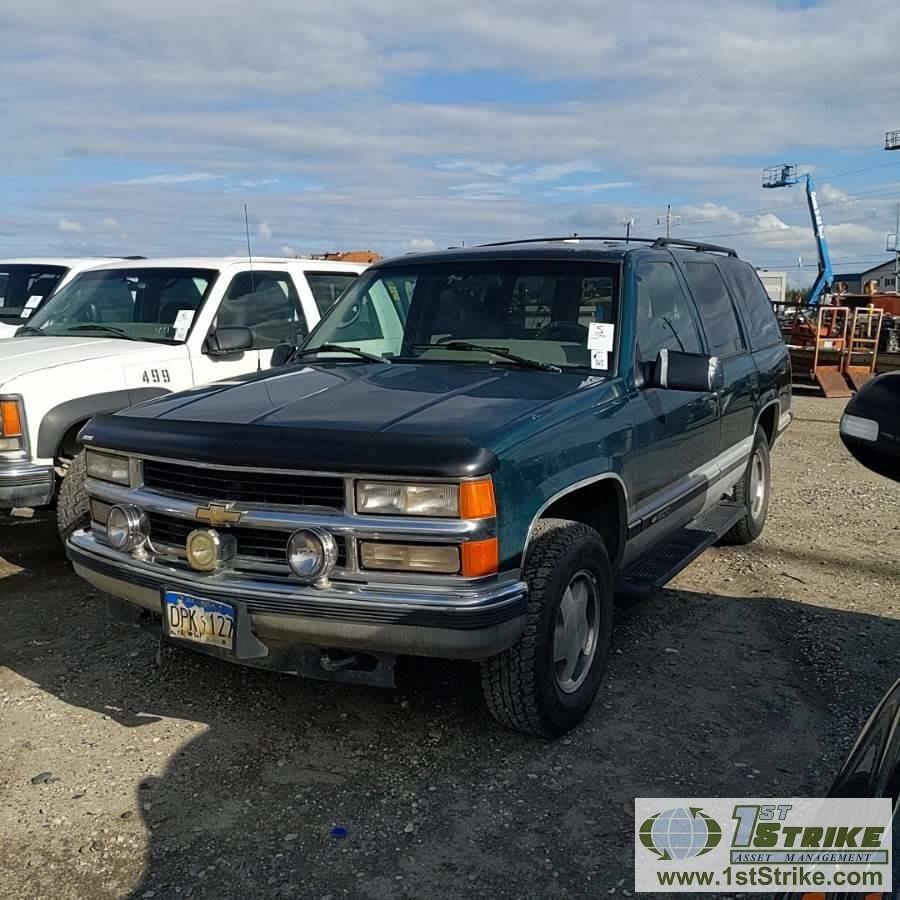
(739, 395)
(266, 302)
(676, 433)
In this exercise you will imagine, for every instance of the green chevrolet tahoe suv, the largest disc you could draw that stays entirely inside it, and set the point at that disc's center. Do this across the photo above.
(470, 457)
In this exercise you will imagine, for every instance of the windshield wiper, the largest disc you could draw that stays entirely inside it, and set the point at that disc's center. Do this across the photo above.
(502, 352)
(98, 326)
(338, 348)
(29, 329)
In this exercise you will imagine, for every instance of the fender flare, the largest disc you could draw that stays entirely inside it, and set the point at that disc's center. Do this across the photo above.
(58, 420)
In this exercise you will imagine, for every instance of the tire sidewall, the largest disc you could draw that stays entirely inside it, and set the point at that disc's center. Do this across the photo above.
(562, 710)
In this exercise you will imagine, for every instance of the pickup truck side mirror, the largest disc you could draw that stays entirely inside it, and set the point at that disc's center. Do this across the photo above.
(677, 371)
(227, 340)
(870, 426)
(281, 353)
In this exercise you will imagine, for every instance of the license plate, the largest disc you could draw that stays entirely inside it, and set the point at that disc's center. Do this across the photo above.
(196, 619)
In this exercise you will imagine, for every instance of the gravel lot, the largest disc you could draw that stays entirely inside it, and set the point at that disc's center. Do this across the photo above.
(126, 771)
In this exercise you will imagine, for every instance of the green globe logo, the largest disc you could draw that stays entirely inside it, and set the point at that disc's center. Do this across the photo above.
(680, 833)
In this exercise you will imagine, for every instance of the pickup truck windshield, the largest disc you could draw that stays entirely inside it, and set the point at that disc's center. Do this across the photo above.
(538, 310)
(23, 287)
(143, 304)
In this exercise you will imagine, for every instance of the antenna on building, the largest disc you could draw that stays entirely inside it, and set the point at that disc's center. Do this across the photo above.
(628, 224)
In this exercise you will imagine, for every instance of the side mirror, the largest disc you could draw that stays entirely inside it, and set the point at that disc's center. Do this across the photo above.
(677, 371)
(870, 426)
(228, 340)
(281, 353)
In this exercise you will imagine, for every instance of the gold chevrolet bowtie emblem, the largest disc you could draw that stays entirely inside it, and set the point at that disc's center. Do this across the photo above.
(217, 514)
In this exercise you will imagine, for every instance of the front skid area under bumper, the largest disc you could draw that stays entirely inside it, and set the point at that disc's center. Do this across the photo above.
(471, 623)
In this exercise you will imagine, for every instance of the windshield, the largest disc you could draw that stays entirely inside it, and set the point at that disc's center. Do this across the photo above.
(23, 288)
(558, 313)
(142, 303)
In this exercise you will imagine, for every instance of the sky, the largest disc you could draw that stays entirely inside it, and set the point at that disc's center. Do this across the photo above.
(145, 127)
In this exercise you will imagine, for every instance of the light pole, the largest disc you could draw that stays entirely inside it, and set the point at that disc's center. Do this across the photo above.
(892, 142)
(669, 219)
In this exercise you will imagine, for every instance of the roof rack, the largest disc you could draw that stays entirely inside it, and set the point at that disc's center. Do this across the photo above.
(571, 238)
(699, 246)
(660, 242)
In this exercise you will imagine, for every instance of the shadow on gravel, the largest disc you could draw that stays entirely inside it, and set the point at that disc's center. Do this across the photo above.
(705, 695)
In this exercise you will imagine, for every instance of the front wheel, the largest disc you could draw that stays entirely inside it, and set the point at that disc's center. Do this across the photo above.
(546, 682)
(752, 491)
(72, 509)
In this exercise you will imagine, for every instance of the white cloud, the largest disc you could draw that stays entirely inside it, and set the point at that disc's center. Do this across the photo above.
(108, 223)
(186, 178)
(264, 230)
(417, 245)
(69, 225)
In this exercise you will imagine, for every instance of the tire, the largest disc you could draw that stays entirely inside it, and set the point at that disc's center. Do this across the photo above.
(525, 687)
(72, 510)
(753, 492)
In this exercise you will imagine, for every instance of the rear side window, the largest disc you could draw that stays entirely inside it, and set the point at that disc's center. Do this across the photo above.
(754, 303)
(664, 319)
(723, 334)
(326, 287)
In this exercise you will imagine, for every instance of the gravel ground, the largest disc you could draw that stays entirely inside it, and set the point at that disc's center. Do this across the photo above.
(131, 771)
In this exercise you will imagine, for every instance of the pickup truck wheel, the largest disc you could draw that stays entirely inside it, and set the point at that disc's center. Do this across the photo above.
(72, 511)
(753, 492)
(546, 682)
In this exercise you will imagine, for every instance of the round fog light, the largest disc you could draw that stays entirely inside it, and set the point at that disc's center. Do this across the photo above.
(311, 553)
(127, 527)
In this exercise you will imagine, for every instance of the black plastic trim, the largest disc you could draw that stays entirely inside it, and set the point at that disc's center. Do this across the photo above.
(62, 417)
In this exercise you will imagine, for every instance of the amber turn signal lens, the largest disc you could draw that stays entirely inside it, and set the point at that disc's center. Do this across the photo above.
(476, 500)
(480, 558)
(10, 418)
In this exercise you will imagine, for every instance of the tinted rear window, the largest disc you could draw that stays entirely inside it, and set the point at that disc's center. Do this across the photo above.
(326, 287)
(716, 309)
(754, 304)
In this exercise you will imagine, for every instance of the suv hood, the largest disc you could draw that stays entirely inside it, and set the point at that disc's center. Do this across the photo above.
(414, 417)
(23, 355)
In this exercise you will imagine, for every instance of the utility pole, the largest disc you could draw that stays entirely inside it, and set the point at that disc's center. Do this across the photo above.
(669, 219)
(627, 224)
(892, 142)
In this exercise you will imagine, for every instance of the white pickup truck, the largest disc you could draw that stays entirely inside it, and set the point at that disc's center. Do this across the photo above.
(25, 284)
(132, 330)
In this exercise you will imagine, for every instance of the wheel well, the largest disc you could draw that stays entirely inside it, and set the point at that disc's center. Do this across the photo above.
(68, 445)
(601, 505)
(768, 421)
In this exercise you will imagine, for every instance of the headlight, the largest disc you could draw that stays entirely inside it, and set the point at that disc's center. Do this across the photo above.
(12, 431)
(858, 427)
(469, 500)
(127, 527)
(107, 467)
(311, 553)
(442, 559)
(385, 498)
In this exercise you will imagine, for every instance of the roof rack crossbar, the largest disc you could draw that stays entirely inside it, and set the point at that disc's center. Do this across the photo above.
(699, 246)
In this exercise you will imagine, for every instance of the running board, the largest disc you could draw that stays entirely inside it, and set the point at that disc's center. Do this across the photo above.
(660, 564)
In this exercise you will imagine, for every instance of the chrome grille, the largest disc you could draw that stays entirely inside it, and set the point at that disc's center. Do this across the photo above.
(262, 544)
(244, 486)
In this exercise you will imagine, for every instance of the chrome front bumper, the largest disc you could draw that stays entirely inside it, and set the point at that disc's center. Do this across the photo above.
(462, 621)
(24, 484)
